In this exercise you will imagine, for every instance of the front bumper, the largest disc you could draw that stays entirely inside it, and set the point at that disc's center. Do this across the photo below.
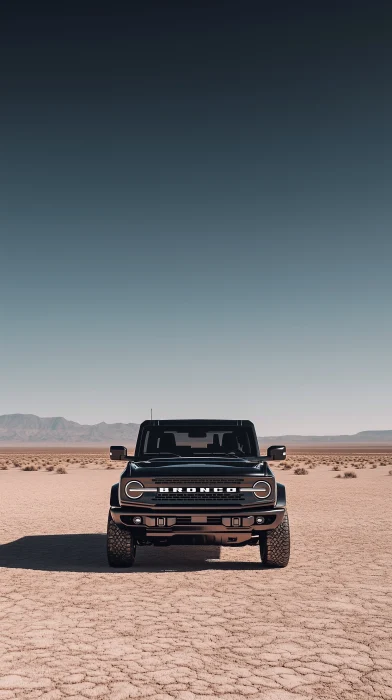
(169, 524)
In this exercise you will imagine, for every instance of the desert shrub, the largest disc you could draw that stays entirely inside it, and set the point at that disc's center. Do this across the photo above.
(50, 468)
(390, 472)
(338, 476)
(287, 466)
(350, 475)
(336, 468)
(17, 465)
(29, 468)
(3, 467)
(61, 470)
(300, 470)
(110, 466)
(374, 466)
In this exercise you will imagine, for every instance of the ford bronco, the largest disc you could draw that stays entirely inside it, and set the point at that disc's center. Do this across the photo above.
(198, 482)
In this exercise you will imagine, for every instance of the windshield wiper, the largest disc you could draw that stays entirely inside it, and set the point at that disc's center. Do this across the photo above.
(167, 453)
(228, 454)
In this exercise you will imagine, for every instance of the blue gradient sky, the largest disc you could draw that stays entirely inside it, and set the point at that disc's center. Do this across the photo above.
(196, 214)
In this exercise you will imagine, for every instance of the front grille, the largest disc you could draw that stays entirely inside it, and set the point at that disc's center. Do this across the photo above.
(198, 497)
(197, 481)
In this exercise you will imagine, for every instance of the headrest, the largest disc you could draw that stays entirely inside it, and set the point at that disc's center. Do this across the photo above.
(167, 443)
(229, 442)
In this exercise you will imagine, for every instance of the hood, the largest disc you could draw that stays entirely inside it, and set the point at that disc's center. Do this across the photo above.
(197, 467)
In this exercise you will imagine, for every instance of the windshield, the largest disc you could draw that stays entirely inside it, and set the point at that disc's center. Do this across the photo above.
(196, 442)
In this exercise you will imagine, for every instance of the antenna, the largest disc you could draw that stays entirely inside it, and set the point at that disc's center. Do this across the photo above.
(151, 413)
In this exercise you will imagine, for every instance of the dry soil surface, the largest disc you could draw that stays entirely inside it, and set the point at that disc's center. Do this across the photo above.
(195, 624)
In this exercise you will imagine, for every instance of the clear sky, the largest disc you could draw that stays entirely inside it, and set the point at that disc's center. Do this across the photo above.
(196, 211)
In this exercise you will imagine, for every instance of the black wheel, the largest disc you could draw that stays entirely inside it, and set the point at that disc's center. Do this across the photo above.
(275, 545)
(121, 547)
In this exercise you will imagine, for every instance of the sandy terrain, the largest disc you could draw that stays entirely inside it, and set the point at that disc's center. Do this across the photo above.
(195, 624)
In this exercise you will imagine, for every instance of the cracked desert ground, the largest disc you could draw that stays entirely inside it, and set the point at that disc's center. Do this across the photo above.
(195, 624)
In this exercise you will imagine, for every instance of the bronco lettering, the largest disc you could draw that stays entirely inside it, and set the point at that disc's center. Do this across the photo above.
(197, 489)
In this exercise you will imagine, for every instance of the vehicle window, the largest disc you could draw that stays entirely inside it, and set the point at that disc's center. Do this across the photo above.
(197, 442)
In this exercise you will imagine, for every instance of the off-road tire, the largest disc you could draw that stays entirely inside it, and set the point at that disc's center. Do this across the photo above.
(121, 547)
(275, 545)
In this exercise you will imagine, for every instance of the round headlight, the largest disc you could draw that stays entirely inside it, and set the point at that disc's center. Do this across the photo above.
(133, 489)
(261, 489)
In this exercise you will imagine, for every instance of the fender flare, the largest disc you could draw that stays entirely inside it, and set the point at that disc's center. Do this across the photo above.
(114, 496)
(280, 496)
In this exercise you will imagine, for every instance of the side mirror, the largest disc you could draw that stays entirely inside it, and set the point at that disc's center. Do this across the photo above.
(276, 452)
(118, 452)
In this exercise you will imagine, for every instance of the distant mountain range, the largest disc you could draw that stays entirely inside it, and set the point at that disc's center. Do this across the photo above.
(20, 428)
(364, 437)
(25, 427)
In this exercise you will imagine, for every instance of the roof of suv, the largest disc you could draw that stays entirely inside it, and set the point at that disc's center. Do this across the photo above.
(195, 421)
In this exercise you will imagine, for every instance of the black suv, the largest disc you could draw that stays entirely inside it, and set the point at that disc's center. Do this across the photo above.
(198, 482)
